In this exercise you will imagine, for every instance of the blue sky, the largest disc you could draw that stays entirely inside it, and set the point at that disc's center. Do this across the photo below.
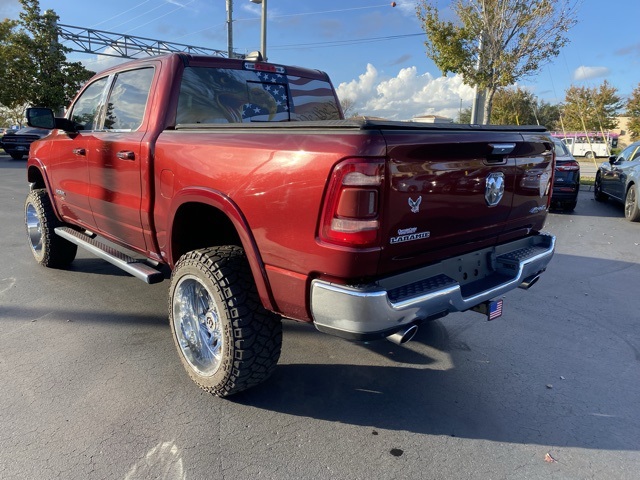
(373, 52)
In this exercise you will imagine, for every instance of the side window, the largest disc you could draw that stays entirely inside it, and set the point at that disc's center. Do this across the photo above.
(87, 108)
(635, 155)
(128, 100)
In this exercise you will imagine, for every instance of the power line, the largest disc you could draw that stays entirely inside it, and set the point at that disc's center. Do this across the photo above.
(119, 14)
(339, 43)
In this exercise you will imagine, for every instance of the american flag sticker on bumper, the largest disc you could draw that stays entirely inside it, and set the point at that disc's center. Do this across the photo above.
(492, 309)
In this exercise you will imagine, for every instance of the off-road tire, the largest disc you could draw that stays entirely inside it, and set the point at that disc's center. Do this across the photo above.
(631, 209)
(598, 194)
(48, 249)
(215, 311)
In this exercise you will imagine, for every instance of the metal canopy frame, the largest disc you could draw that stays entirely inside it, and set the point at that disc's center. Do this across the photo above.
(87, 40)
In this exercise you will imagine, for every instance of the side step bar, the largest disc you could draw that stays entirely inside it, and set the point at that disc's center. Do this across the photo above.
(121, 260)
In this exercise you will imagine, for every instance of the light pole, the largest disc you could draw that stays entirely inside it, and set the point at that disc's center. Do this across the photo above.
(230, 28)
(263, 41)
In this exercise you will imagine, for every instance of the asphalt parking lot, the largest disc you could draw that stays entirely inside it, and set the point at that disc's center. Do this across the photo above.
(92, 388)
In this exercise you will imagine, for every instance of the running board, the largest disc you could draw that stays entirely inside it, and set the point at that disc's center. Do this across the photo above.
(121, 260)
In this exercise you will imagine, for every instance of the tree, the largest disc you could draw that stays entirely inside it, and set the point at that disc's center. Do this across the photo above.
(348, 107)
(521, 107)
(633, 112)
(465, 116)
(494, 43)
(514, 107)
(591, 109)
(549, 115)
(33, 65)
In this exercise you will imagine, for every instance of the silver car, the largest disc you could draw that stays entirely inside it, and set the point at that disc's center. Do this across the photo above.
(619, 178)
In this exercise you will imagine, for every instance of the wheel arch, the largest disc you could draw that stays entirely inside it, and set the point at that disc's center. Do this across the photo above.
(202, 218)
(36, 177)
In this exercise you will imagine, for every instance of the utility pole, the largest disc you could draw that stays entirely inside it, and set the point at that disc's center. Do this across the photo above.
(230, 28)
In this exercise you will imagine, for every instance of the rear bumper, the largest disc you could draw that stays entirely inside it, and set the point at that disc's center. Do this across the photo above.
(453, 285)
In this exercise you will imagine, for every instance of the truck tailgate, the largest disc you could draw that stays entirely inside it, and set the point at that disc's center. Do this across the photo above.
(452, 191)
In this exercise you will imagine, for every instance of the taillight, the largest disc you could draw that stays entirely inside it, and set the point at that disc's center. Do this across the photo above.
(351, 213)
(568, 167)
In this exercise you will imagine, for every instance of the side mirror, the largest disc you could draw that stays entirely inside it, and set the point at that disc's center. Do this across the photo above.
(612, 159)
(41, 118)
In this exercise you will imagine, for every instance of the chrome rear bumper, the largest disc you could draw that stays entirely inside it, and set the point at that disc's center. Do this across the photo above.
(452, 285)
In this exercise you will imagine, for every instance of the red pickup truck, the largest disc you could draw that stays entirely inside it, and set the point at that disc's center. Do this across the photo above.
(243, 181)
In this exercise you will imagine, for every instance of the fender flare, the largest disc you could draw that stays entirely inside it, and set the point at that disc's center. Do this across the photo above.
(36, 164)
(228, 207)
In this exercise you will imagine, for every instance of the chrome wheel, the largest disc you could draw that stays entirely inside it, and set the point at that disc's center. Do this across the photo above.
(631, 210)
(40, 220)
(197, 326)
(226, 340)
(34, 229)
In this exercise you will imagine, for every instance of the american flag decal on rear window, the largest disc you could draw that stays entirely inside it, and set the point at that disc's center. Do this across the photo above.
(312, 99)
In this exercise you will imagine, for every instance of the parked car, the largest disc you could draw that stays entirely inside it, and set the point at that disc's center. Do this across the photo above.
(17, 142)
(566, 183)
(619, 179)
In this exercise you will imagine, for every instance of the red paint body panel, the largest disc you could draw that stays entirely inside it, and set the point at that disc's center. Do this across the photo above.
(270, 181)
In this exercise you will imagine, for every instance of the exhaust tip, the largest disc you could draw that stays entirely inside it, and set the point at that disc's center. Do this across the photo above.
(529, 282)
(403, 336)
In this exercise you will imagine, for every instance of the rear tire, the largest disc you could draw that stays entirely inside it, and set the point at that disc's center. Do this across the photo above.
(598, 194)
(48, 249)
(589, 155)
(227, 341)
(16, 156)
(631, 209)
(570, 206)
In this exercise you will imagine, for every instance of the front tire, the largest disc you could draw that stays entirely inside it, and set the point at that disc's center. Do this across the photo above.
(16, 156)
(631, 209)
(598, 194)
(227, 341)
(48, 249)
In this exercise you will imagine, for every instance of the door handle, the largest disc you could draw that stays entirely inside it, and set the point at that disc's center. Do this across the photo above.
(126, 155)
(79, 151)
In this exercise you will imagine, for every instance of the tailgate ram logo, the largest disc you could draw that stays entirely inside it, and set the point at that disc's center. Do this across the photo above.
(494, 189)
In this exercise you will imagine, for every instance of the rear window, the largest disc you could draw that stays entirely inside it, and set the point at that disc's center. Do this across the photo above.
(218, 95)
(560, 148)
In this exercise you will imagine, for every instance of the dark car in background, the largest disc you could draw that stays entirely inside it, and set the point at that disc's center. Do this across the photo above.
(566, 182)
(619, 179)
(17, 142)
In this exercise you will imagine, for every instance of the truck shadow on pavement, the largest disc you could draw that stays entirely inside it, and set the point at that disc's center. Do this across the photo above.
(558, 371)
(452, 403)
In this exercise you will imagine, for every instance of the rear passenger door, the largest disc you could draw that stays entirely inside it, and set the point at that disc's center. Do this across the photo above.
(116, 157)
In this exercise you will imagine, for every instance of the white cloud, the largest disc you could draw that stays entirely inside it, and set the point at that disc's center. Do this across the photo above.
(407, 95)
(589, 73)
